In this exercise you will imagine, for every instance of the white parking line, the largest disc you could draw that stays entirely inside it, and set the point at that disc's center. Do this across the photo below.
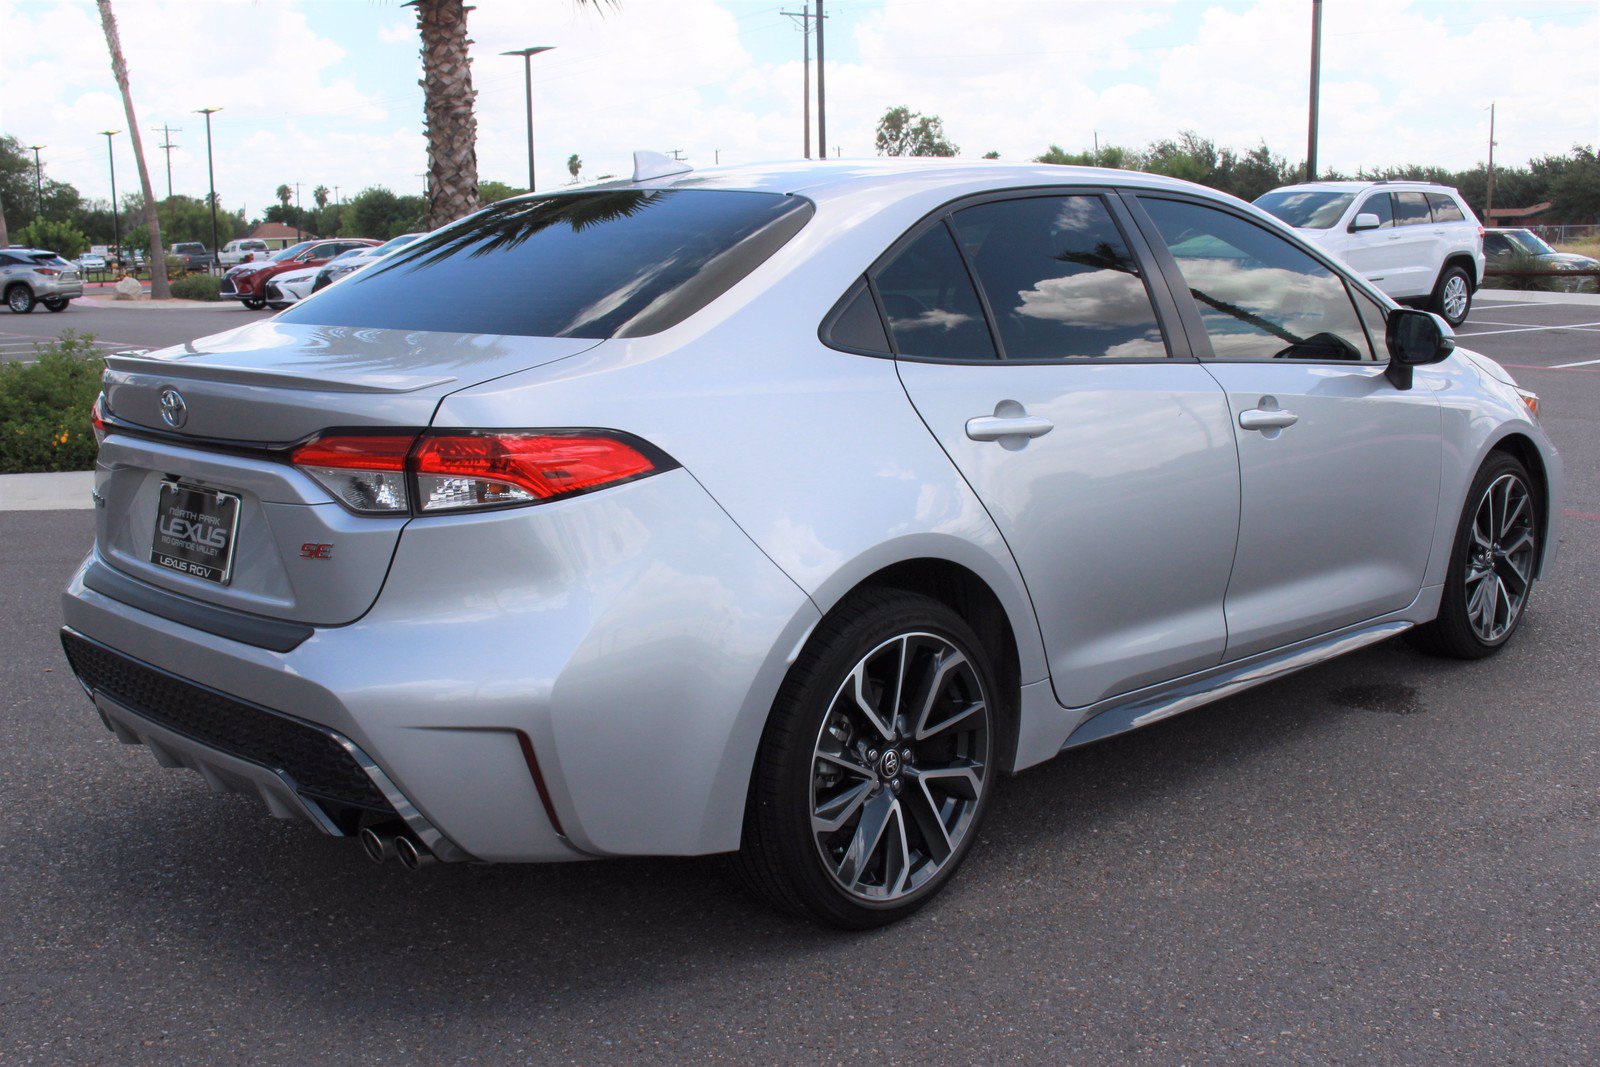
(1530, 329)
(1581, 363)
(1518, 304)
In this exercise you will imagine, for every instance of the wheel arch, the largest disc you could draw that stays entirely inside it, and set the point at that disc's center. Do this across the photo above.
(1465, 262)
(1521, 447)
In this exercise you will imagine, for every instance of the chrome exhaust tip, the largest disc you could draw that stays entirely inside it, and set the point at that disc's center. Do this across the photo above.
(412, 854)
(378, 844)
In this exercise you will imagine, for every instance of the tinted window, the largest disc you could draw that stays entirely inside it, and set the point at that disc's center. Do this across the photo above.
(1411, 209)
(1496, 244)
(592, 264)
(1311, 209)
(1445, 209)
(933, 310)
(1259, 296)
(1059, 279)
(858, 326)
(1377, 204)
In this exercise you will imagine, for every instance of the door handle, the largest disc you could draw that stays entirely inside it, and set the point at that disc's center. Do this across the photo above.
(996, 427)
(1267, 419)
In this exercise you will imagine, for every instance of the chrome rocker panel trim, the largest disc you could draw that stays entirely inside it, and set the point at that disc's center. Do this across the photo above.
(1142, 709)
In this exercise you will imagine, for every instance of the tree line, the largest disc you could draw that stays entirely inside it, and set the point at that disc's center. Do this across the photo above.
(1570, 182)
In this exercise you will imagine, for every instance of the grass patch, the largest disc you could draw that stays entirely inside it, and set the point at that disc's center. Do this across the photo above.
(44, 407)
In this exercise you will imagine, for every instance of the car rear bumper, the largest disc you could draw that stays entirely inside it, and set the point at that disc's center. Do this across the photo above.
(584, 678)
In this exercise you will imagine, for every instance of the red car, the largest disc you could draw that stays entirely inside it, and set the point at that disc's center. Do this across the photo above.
(248, 281)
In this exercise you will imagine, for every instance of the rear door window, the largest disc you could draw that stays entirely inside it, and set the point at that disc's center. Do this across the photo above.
(1411, 209)
(603, 263)
(928, 298)
(1060, 280)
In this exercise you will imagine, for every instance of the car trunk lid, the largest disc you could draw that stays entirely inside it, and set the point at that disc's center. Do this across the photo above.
(219, 415)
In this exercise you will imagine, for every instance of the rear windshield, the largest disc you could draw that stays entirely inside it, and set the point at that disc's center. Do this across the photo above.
(605, 263)
(1306, 209)
(292, 251)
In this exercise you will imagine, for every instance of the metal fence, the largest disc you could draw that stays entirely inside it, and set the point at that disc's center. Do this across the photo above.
(1561, 235)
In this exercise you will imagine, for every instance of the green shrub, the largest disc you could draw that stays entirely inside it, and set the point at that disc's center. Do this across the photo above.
(197, 287)
(1519, 261)
(45, 407)
(58, 237)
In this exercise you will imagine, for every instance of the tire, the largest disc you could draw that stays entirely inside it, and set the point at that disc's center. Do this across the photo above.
(19, 298)
(925, 792)
(1452, 296)
(56, 305)
(255, 305)
(1497, 541)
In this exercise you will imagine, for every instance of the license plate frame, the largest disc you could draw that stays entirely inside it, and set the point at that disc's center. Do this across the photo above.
(196, 529)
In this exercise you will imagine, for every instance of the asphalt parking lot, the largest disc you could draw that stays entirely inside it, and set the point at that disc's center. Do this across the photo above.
(1387, 857)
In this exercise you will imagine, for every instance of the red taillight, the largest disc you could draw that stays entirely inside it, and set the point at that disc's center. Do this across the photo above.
(98, 417)
(471, 469)
(477, 470)
(366, 452)
(46, 270)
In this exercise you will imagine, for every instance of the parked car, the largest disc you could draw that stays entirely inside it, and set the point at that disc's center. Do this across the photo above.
(195, 255)
(1509, 249)
(352, 262)
(240, 251)
(30, 276)
(247, 282)
(1417, 241)
(295, 285)
(783, 510)
(92, 261)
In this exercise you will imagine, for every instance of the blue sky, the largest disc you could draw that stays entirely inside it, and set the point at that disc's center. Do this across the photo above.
(324, 91)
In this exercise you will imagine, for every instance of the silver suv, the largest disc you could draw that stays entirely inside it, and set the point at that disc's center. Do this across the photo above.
(1417, 241)
(30, 276)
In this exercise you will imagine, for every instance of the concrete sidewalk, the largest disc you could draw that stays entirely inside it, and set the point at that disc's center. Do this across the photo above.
(147, 304)
(1519, 296)
(68, 490)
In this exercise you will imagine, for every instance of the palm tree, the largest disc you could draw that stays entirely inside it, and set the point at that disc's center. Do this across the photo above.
(284, 195)
(159, 289)
(574, 165)
(452, 127)
(320, 195)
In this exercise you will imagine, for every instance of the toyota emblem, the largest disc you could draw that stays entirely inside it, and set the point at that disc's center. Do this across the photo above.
(174, 412)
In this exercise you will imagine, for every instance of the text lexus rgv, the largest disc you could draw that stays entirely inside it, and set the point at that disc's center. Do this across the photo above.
(783, 510)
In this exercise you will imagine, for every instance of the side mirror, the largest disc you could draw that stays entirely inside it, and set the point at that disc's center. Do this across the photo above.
(1366, 221)
(1415, 339)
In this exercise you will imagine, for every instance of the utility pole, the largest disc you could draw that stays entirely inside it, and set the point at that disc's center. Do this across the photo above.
(822, 86)
(211, 176)
(167, 146)
(116, 224)
(677, 153)
(1488, 207)
(38, 178)
(1316, 80)
(804, 18)
(297, 234)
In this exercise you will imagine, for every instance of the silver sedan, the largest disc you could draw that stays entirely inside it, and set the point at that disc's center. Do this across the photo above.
(783, 511)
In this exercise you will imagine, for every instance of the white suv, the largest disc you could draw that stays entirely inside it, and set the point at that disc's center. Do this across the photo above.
(1417, 241)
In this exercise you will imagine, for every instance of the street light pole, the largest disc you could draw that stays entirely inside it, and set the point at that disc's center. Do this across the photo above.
(211, 177)
(1316, 81)
(38, 181)
(116, 225)
(527, 55)
(822, 85)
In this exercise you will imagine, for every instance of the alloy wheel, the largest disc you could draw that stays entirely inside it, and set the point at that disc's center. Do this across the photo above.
(1499, 568)
(899, 767)
(1456, 296)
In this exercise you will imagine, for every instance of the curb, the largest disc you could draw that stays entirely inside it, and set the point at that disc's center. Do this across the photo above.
(1520, 296)
(56, 491)
(158, 305)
